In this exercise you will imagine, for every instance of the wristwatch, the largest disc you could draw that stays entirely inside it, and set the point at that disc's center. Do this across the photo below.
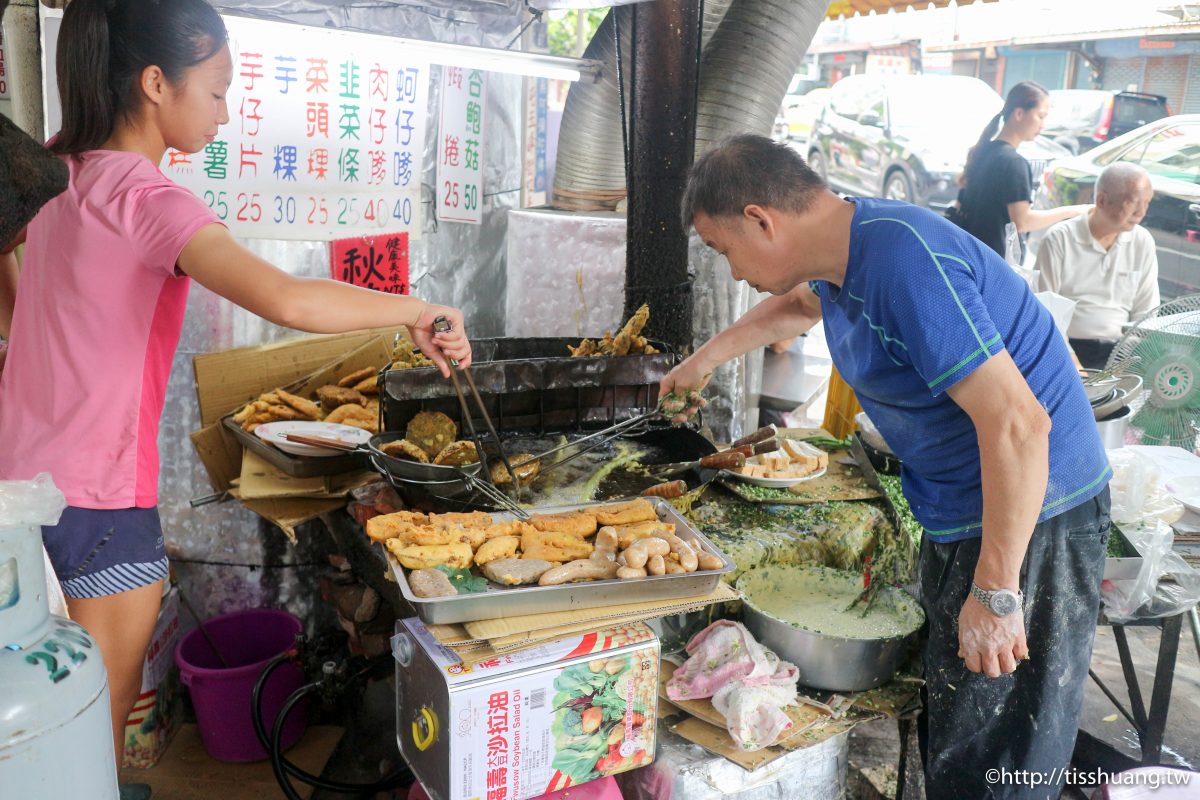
(1000, 602)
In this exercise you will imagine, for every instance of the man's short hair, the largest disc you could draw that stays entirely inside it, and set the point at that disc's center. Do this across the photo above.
(747, 170)
(1118, 179)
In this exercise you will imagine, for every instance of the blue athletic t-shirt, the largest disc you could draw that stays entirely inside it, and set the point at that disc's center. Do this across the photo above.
(923, 305)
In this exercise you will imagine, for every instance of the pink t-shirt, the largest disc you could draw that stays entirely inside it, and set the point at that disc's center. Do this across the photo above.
(99, 310)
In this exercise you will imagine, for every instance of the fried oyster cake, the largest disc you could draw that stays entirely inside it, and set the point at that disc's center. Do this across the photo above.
(431, 431)
(406, 450)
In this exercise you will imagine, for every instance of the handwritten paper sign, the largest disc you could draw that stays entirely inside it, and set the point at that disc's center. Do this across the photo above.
(460, 146)
(3, 70)
(374, 262)
(324, 140)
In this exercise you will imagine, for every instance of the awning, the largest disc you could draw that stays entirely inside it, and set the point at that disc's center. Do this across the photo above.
(848, 8)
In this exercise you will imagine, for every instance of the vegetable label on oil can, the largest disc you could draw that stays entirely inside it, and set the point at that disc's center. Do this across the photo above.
(564, 714)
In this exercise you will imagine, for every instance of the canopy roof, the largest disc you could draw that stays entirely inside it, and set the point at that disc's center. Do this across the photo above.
(848, 8)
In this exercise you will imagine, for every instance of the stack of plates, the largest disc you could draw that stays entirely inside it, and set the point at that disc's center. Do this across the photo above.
(1109, 397)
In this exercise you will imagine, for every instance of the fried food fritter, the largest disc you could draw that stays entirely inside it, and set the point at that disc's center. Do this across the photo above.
(457, 454)
(431, 431)
(308, 408)
(356, 415)
(476, 537)
(405, 355)
(576, 523)
(389, 526)
(639, 510)
(468, 519)
(415, 556)
(624, 338)
(406, 450)
(368, 385)
(347, 381)
(554, 546)
(278, 412)
(333, 396)
(500, 547)
(525, 472)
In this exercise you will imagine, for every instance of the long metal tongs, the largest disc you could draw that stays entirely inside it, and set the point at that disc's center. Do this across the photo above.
(442, 325)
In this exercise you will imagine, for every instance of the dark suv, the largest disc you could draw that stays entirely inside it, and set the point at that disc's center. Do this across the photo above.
(1080, 119)
(906, 137)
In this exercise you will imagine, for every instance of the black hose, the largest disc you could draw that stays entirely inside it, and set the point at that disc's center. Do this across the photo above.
(283, 767)
(277, 734)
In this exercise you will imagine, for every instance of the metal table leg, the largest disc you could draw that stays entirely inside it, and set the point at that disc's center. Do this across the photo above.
(1194, 619)
(1160, 697)
(1136, 706)
(906, 724)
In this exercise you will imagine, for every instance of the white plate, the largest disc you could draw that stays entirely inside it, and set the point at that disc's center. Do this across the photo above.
(1186, 491)
(276, 433)
(773, 483)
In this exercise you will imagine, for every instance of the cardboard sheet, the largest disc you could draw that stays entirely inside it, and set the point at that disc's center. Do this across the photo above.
(496, 628)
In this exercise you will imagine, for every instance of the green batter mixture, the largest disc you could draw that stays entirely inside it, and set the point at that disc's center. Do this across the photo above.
(818, 599)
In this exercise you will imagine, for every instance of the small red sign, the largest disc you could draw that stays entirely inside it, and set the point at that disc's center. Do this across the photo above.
(374, 262)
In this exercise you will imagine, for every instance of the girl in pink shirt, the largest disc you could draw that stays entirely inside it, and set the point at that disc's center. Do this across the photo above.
(101, 299)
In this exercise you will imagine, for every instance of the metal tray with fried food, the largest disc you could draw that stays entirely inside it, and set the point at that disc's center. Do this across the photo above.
(297, 466)
(499, 602)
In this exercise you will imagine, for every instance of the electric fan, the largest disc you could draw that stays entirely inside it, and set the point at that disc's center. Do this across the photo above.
(1163, 349)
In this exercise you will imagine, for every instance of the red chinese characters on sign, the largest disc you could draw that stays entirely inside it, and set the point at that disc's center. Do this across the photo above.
(497, 746)
(373, 262)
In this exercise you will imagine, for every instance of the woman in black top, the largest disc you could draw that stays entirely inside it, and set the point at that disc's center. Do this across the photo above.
(998, 186)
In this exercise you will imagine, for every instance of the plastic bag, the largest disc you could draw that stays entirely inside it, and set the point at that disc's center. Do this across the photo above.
(1149, 596)
(1137, 490)
(35, 502)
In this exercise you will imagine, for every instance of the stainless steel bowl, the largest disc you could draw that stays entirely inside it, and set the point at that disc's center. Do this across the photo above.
(406, 471)
(831, 663)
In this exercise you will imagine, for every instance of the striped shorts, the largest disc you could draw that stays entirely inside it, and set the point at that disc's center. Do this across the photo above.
(100, 552)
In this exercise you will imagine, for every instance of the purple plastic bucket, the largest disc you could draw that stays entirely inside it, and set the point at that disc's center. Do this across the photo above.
(222, 695)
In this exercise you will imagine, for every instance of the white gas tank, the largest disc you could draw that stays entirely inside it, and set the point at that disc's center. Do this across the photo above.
(55, 733)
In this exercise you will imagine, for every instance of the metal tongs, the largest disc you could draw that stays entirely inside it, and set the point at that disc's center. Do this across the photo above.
(1108, 373)
(442, 325)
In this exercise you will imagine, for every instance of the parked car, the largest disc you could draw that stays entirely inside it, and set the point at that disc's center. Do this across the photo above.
(1169, 149)
(1080, 119)
(906, 137)
(800, 112)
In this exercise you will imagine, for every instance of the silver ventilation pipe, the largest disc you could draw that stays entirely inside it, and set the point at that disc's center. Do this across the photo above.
(589, 173)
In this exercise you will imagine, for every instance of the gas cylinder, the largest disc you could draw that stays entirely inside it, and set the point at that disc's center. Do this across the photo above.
(55, 734)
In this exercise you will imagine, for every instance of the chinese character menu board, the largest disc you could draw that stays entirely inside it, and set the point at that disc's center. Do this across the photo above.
(325, 136)
(460, 146)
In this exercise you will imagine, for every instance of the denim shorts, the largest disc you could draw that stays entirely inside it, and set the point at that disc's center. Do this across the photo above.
(97, 552)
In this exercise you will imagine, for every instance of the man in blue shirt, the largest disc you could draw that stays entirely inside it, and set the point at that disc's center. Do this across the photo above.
(964, 374)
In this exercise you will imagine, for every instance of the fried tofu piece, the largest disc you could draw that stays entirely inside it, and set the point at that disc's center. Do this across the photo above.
(500, 547)
(576, 523)
(554, 546)
(308, 408)
(458, 454)
(639, 510)
(415, 556)
(431, 431)
(515, 571)
(406, 450)
(630, 533)
(359, 375)
(333, 396)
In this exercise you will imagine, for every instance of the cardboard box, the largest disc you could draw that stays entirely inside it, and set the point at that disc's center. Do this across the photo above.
(158, 712)
(521, 725)
(228, 379)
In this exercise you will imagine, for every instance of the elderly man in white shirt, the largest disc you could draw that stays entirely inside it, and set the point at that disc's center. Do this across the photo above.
(1104, 261)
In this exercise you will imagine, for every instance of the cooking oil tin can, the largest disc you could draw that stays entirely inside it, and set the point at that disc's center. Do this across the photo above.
(521, 725)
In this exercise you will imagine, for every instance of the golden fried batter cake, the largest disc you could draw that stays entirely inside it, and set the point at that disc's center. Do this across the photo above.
(468, 519)
(406, 450)
(577, 523)
(500, 547)
(348, 381)
(389, 526)
(368, 385)
(415, 556)
(333, 396)
(308, 408)
(431, 431)
(639, 510)
(457, 454)
(525, 472)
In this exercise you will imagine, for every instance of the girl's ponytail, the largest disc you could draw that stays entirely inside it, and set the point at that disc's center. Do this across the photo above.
(89, 105)
(103, 47)
(989, 131)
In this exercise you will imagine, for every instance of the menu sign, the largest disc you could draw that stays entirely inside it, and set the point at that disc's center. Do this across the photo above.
(324, 140)
(460, 146)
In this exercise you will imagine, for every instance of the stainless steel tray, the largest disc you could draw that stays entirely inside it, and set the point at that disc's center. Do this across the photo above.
(499, 602)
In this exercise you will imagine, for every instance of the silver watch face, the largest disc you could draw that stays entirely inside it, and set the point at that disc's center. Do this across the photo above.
(1004, 602)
